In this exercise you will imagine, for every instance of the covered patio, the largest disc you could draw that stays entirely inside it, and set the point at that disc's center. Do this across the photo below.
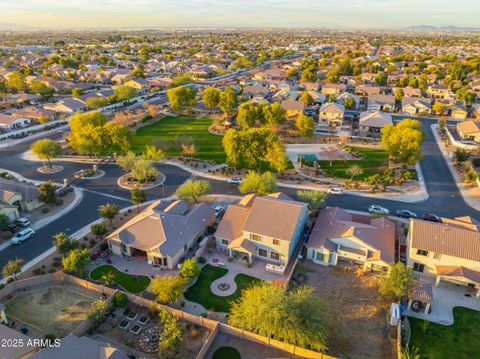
(420, 298)
(459, 275)
(243, 248)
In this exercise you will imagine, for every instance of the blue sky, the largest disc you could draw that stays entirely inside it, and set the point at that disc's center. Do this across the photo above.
(239, 13)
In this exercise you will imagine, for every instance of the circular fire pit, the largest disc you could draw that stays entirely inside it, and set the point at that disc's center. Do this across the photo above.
(223, 286)
(149, 339)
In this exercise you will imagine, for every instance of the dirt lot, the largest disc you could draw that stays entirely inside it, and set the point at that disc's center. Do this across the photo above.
(54, 310)
(359, 315)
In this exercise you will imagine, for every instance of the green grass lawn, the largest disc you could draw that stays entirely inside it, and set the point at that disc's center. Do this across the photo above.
(130, 282)
(376, 161)
(168, 130)
(460, 340)
(200, 292)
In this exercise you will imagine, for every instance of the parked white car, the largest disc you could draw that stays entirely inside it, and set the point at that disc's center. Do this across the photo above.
(376, 209)
(218, 210)
(22, 222)
(22, 236)
(335, 191)
(235, 180)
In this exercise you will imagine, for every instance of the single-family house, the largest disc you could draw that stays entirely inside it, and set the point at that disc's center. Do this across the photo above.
(162, 233)
(330, 116)
(22, 195)
(265, 227)
(74, 347)
(448, 251)
(346, 95)
(333, 89)
(250, 92)
(414, 106)
(293, 108)
(384, 103)
(341, 235)
(469, 130)
(438, 91)
(371, 123)
(34, 113)
(8, 122)
(67, 106)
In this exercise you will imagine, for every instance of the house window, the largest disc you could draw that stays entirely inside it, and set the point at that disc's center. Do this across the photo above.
(275, 256)
(262, 252)
(417, 267)
(255, 237)
(437, 255)
(224, 242)
(276, 242)
(322, 257)
(422, 252)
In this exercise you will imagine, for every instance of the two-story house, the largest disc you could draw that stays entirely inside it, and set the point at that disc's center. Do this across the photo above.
(265, 227)
(341, 235)
(448, 251)
(330, 117)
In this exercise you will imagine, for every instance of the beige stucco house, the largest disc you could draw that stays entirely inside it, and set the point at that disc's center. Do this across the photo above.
(469, 130)
(163, 233)
(338, 234)
(448, 251)
(265, 227)
(21, 195)
(330, 116)
(371, 123)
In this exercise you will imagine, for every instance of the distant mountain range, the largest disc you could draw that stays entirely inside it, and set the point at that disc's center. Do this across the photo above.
(442, 28)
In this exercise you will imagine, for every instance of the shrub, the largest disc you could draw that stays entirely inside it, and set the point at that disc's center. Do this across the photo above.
(59, 202)
(120, 300)
(202, 260)
(230, 258)
(2, 285)
(98, 229)
(45, 210)
(7, 235)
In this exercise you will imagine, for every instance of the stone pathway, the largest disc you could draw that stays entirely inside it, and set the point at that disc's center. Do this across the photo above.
(229, 279)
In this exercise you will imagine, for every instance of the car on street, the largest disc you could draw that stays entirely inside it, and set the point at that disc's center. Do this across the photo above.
(23, 235)
(431, 217)
(218, 210)
(235, 180)
(405, 213)
(376, 209)
(12, 227)
(335, 191)
(22, 222)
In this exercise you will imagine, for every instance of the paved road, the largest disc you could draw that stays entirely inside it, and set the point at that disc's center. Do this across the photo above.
(444, 196)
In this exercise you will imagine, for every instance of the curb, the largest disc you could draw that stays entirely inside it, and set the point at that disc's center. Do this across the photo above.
(461, 188)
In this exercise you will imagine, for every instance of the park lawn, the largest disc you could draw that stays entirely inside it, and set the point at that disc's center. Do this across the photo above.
(375, 161)
(200, 291)
(168, 129)
(130, 282)
(460, 340)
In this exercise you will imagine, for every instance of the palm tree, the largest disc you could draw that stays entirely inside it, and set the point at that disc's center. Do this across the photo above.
(108, 279)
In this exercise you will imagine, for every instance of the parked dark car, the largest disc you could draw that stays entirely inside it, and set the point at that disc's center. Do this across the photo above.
(405, 213)
(13, 228)
(431, 217)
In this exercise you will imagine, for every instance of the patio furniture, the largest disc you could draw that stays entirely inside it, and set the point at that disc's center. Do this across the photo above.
(221, 264)
(277, 269)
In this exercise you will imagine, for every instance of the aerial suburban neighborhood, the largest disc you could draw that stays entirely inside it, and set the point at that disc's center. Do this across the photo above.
(175, 186)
